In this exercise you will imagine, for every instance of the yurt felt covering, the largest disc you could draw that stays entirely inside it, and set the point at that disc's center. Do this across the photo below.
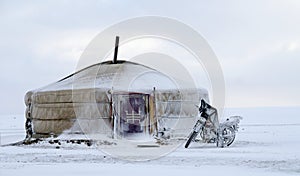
(86, 100)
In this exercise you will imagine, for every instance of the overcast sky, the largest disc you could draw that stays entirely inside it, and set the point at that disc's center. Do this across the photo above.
(256, 42)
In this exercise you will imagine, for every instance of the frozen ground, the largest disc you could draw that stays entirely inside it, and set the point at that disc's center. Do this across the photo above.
(268, 143)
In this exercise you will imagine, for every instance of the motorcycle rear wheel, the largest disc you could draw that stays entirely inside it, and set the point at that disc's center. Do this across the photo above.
(227, 137)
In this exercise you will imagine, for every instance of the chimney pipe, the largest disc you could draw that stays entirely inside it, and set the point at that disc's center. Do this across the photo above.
(116, 50)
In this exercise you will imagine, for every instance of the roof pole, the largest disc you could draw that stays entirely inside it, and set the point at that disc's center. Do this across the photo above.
(116, 50)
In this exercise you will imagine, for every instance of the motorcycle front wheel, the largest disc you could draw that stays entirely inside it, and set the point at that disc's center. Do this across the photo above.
(191, 138)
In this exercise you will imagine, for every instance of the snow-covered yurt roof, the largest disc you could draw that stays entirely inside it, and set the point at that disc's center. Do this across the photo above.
(121, 76)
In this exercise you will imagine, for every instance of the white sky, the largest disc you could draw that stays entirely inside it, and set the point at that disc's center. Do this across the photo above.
(257, 43)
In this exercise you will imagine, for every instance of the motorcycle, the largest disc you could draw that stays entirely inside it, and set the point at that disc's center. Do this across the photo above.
(210, 130)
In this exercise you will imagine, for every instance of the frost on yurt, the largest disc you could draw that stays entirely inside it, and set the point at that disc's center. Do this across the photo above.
(117, 100)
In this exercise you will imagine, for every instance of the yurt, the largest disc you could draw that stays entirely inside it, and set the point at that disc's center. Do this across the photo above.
(113, 99)
(116, 99)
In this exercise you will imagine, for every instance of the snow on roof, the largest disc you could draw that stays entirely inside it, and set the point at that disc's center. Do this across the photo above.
(122, 76)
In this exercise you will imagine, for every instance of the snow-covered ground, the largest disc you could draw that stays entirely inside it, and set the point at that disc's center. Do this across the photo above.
(268, 143)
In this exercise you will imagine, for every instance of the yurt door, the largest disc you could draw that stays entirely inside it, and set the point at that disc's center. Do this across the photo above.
(132, 117)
